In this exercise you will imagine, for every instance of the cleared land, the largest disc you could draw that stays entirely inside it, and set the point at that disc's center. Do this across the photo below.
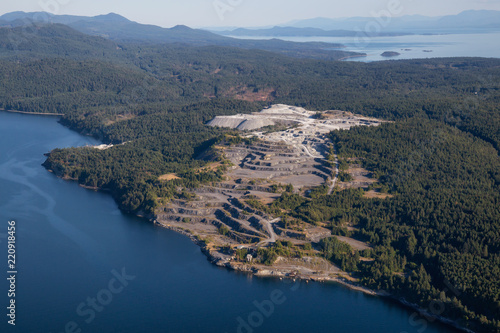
(361, 178)
(360, 246)
(376, 195)
(224, 214)
(169, 176)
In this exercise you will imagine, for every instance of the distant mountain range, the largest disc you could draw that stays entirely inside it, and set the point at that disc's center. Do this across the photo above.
(300, 32)
(115, 27)
(119, 29)
(467, 21)
(56, 40)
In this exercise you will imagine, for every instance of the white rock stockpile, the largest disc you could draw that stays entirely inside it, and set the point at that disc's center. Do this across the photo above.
(241, 123)
(281, 114)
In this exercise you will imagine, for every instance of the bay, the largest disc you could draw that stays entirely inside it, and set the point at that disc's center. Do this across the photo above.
(75, 248)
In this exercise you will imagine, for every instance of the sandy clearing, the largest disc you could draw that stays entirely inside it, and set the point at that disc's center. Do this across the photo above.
(377, 195)
(357, 245)
(168, 176)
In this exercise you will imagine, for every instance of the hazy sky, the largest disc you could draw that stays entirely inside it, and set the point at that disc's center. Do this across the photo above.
(203, 13)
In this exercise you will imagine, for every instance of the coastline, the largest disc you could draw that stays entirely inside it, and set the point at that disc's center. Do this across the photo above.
(272, 272)
(280, 273)
(353, 56)
(34, 113)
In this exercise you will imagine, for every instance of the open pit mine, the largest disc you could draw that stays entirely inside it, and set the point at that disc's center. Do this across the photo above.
(292, 148)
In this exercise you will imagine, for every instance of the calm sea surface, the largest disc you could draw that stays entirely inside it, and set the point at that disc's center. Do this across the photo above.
(83, 266)
(414, 46)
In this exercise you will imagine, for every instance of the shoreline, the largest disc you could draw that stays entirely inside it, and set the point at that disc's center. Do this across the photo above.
(273, 272)
(34, 113)
(280, 273)
(353, 56)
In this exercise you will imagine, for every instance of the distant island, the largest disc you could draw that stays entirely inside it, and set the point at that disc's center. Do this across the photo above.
(390, 54)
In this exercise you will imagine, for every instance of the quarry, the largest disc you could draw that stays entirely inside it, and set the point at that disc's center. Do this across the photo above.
(307, 129)
(288, 151)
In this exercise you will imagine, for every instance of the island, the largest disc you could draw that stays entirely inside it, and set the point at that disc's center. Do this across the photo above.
(390, 54)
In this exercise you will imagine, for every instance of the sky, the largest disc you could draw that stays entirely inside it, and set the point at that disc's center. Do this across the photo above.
(243, 13)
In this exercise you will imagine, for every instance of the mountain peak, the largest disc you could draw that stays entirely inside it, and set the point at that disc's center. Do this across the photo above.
(112, 17)
(181, 27)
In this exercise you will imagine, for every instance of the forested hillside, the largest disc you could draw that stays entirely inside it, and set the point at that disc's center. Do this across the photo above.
(438, 159)
(20, 28)
(440, 228)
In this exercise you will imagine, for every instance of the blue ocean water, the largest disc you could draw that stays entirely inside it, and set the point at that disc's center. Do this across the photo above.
(84, 266)
(414, 46)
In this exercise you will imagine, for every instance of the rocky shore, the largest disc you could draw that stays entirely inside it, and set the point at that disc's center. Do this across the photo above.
(270, 271)
(296, 274)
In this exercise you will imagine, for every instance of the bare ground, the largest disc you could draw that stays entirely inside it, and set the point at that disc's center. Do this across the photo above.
(219, 215)
(377, 195)
(169, 176)
(355, 244)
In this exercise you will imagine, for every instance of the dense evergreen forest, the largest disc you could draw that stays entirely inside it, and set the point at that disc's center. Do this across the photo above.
(440, 228)
(438, 159)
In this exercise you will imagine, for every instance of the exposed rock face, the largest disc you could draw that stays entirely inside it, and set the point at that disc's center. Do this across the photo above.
(252, 124)
(226, 214)
(243, 124)
(226, 121)
(308, 126)
(276, 115)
